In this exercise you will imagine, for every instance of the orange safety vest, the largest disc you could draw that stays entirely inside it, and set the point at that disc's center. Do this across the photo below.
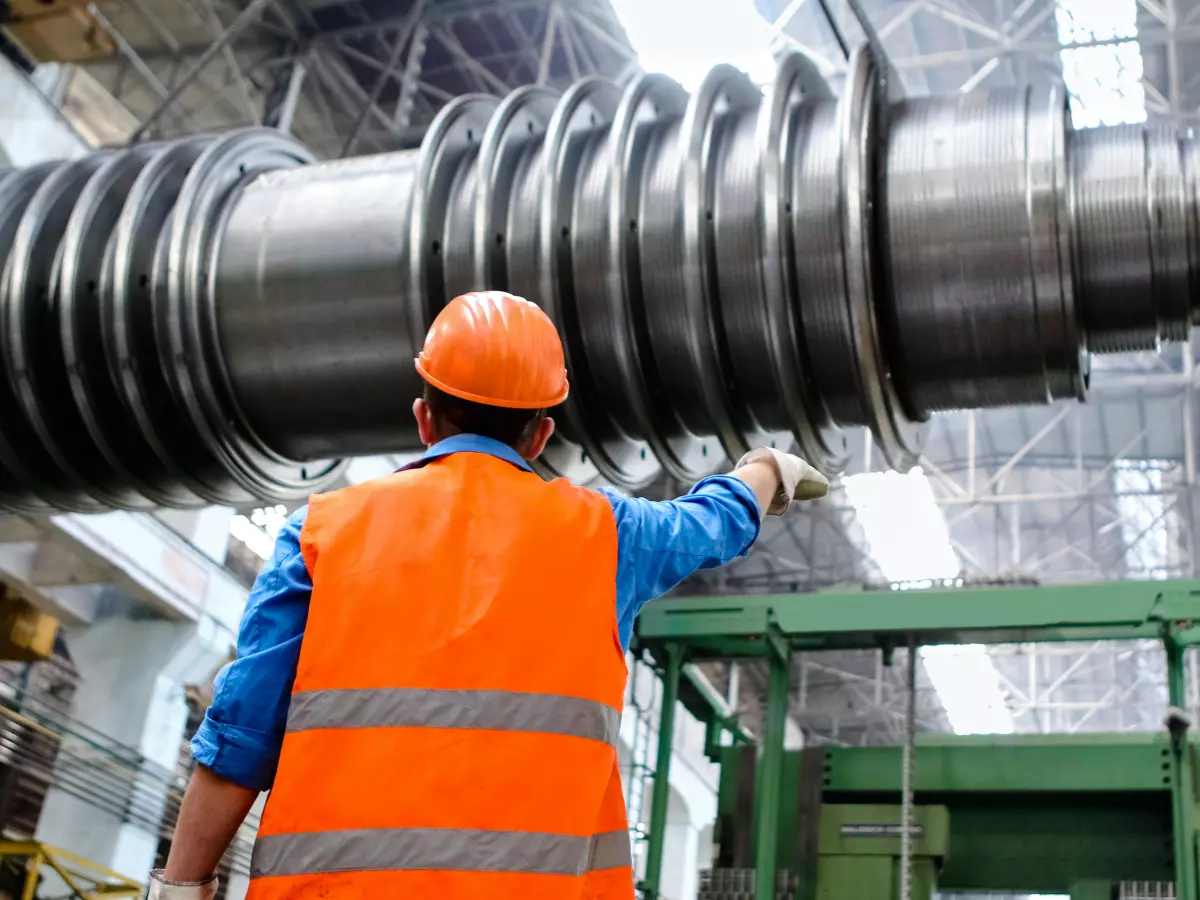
(453, 726)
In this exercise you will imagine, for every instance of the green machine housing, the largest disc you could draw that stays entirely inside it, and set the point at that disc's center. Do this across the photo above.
(1075, 815)
(1072, 815)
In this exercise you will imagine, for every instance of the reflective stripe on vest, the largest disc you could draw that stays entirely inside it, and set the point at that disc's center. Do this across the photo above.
(445, 849)
(424, 708)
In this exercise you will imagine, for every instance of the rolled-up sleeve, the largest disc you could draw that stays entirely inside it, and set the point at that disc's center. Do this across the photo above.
(661, 542)
(242, 732)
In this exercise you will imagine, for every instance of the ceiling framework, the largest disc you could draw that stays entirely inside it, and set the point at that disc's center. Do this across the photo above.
(344, 77)
(942, 46)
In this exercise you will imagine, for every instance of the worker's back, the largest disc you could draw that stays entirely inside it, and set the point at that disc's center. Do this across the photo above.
(458, 693)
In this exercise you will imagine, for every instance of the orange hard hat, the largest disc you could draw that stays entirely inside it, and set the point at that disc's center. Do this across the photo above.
(493, 348)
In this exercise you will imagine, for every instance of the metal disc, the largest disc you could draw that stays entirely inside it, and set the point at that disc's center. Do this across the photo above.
(633, 380)
(130, 306)
(573, 233)
(86, 257)
(21, 486)
(820, 440)
(197, 371)
(725, 92)
(454, 219)
(453, 136)
(518, 124)
(1064, 358)
(898, 437)
(586, 104)
(73, 474)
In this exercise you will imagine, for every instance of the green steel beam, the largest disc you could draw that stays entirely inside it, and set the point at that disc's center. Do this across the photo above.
(1043, 764)
(662, 772)
(769, 776)
(746, 626)
(1183, 793)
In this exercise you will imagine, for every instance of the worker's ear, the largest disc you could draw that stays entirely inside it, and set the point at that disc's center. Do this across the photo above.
(537, 443)
(424, 416)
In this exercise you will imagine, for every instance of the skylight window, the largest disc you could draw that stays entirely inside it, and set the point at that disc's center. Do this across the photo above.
(686, 38)
(909, 541)
(1105, 81)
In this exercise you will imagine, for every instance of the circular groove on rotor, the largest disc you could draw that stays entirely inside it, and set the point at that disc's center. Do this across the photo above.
(133, 301)
(73, 473)
(87, 255)
(725, 94)
(518, 124)
(562, 458)
(454, 134)
(797, 82)
(634, 385)
(22, 465)
(573, 232)
(898, 437)
(820, 273)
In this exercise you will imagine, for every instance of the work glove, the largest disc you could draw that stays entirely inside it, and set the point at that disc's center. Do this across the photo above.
(797, 479)
(161, 889)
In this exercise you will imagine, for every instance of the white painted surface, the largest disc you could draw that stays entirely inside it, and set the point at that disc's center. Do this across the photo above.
(32, 129)
(132, 689)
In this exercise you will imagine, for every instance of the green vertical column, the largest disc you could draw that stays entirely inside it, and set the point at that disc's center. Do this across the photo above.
(1183, 797)
(769, 777)
(662, 773)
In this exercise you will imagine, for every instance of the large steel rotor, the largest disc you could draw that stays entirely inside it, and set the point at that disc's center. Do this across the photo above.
(218, 320)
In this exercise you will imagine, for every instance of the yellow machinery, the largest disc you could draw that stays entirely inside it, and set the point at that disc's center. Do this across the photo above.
(85, 879)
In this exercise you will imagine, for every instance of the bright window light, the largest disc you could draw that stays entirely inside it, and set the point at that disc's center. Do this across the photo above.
(909, 541)
(686, 38)
(904, 528)
(966, 681)
(1105, 81)
(259, 530)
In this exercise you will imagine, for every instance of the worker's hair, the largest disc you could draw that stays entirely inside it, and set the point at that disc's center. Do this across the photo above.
(453, 415)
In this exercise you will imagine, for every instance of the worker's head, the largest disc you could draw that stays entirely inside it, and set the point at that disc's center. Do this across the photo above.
(493, 365)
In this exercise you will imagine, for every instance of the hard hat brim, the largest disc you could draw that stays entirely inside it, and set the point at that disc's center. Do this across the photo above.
(545, 403)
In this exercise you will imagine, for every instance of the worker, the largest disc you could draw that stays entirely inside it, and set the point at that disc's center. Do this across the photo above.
(431, 666)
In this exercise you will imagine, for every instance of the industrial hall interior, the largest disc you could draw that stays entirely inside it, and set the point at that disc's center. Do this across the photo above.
(853, 557)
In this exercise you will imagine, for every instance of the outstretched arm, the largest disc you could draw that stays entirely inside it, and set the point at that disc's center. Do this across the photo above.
(659, 543)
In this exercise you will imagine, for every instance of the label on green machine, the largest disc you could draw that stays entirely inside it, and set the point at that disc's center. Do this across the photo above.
(881, 831)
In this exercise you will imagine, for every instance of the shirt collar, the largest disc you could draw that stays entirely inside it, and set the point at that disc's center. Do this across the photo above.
(469, 443)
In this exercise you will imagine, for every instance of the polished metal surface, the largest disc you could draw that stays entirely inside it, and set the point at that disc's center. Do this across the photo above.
(218, 319)
(977, 282)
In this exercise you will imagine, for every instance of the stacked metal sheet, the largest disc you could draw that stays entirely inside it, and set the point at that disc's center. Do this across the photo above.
(738, 884)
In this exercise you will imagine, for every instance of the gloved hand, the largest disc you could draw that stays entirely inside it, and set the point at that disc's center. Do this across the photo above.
(797, 479)
(161, 889)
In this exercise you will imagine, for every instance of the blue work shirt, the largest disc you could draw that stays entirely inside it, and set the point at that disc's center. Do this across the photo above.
(659, 543)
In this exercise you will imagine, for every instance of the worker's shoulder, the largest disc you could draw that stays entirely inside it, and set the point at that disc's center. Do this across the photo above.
(566, 492)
